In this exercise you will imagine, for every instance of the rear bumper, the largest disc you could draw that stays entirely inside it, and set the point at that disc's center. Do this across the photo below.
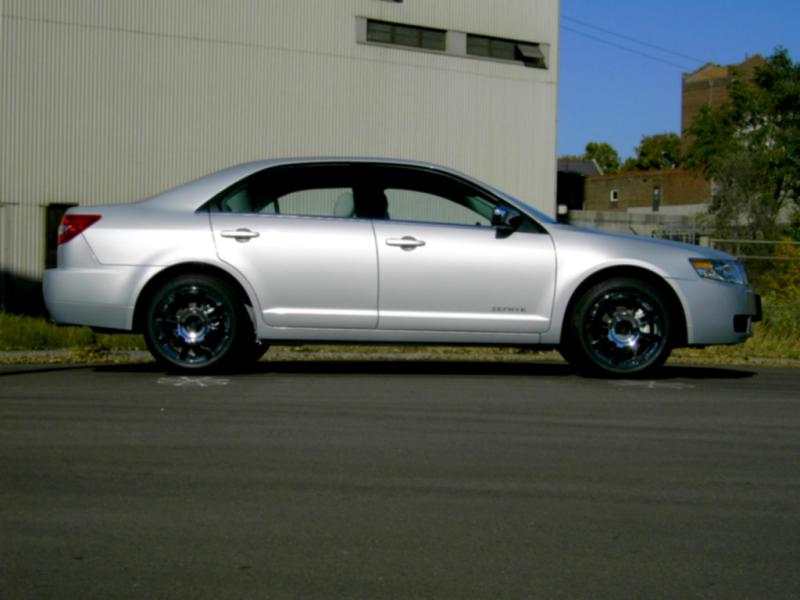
(102, 297)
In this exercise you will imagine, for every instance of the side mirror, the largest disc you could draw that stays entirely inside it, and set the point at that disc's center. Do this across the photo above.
(506, 218)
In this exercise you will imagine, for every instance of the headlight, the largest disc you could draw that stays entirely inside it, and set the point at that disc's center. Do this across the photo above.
(730, 271)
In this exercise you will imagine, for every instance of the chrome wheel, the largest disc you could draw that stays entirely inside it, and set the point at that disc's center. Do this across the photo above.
(625, 330)
(620, 327)
(194, 323)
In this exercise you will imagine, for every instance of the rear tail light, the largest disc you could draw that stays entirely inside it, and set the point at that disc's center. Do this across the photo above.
(72, 225)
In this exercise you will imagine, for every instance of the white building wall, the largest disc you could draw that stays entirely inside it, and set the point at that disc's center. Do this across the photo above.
(112, 100)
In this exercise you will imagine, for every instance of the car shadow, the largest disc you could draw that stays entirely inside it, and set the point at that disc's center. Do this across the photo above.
(428, 367)
(27, 369)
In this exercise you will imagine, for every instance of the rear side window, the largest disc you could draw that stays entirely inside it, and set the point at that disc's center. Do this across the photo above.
(307, 190)
(312, 202)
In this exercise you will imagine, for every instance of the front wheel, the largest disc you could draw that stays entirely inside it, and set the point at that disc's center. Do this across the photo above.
(619, 327)
(196, 323)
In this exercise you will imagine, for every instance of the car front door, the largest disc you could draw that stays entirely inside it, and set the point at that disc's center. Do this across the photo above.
(444, 267)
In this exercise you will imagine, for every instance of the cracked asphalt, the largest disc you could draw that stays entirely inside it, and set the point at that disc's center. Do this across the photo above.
(398, 480)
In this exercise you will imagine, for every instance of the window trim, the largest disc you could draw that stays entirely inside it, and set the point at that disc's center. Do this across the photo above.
(530, 224)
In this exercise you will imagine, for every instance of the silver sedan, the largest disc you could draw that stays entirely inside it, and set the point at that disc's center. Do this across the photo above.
(366, 251)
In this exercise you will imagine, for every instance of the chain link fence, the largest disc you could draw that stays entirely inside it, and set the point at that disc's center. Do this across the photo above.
(747, 250)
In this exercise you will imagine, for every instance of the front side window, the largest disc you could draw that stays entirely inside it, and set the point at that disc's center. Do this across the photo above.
(413, 205)
(426, 196)
(414, 194)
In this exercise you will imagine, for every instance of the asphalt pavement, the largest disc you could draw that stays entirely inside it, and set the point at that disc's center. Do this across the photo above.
(399, 480)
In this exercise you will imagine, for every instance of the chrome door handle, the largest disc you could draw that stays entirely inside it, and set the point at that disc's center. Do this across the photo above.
(240, 235)
(406, 242)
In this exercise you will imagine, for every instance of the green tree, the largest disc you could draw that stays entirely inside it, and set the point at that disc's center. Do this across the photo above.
(602, 152)
(750, 148)
(605, 155)
(659, 151)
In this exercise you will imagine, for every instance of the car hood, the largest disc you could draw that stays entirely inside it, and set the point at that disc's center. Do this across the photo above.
(612, 239)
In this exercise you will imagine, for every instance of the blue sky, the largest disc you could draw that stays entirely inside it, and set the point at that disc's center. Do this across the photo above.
(612, 95)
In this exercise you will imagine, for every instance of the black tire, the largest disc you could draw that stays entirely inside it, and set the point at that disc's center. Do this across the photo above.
(619, 327)
(257, 350)
(196, 323)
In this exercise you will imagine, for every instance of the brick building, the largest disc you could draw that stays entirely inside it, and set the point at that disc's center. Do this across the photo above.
(648, 189)
(710, 85)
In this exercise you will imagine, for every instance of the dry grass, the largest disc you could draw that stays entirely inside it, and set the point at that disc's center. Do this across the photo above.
(25, 340)
(22, 333)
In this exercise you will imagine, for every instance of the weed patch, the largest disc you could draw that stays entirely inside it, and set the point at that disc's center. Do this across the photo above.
(22, 333)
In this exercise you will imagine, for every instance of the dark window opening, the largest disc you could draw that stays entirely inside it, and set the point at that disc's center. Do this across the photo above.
(55, 212)
(656, 198)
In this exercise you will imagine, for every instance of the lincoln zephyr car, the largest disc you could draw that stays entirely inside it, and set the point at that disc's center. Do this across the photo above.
(372, 250)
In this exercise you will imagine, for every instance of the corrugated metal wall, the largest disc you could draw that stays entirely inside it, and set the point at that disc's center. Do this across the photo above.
(111, 100)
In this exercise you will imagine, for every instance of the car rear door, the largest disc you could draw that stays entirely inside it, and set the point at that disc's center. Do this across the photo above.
(308, 267)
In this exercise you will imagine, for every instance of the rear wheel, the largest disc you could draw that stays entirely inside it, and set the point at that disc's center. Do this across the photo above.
(619, 327)
(196, 323)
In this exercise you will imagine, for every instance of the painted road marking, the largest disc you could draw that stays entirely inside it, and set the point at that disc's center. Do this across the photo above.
(186, 381)
(652, 385)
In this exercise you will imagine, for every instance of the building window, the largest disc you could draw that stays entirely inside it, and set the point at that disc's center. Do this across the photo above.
(489, 47)
(382, 32)
(530, 55)
(614, 198)
(55, 212)
(452, 43)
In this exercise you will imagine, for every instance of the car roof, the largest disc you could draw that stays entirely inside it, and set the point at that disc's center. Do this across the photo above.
(192, 194)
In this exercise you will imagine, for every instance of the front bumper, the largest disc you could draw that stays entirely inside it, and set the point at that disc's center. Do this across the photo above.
(717, 312)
